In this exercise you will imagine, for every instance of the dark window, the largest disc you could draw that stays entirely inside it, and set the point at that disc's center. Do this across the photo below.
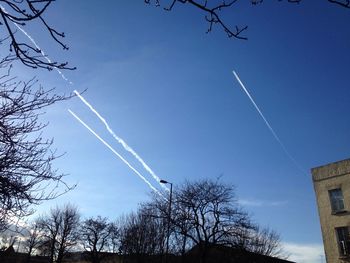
(343, 240)
(337, 200)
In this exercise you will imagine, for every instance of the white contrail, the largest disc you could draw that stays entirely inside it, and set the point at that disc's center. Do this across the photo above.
(116, 153)
(268, 124)
(120, 140)
(43, 53)
(37, 46)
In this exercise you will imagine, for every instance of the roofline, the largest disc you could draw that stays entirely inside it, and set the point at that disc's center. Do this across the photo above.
(324, 165)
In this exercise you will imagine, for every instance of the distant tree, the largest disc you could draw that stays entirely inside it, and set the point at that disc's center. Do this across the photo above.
(158, 209)
(32, 240)
(142, 233)
(211, 213)
(26, 174)
(213, 9)
(60, 231)
(97, 236)
(18, 13)
(3, 243)
(266, 242)
(6, 240)
(206, 213)
(44, 248)
(114, 244)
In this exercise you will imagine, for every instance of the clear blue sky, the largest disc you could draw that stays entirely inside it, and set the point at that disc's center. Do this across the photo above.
(167, 89)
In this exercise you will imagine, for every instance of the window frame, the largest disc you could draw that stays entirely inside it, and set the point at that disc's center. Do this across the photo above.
(336, 200)
(343, 245)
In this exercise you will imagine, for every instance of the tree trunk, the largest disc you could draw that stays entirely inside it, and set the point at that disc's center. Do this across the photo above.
(203, 252)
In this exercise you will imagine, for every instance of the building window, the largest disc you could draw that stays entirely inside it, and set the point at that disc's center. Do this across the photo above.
(337, 200)
(343, 240)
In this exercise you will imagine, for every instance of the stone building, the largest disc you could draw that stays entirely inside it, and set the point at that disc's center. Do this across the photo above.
(332, 189)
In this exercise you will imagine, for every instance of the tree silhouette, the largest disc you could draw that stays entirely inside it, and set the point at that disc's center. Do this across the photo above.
(15, 14)
(96, 237)
(213, 16)
(206, 213)
(60, 231)
(26, 173)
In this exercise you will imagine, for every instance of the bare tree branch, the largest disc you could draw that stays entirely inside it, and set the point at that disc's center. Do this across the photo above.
(21, 12)
(26, 173)
(60, 231)
(343, 3)
(214, 17)
(97, 237)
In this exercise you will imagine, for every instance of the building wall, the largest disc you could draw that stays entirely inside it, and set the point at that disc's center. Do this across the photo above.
(325, 178)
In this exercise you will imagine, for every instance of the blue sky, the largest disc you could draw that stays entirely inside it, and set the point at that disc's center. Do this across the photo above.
(168, 90)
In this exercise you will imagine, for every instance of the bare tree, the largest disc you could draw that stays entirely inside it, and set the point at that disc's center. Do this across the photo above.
(17, 13)
(266, 242)
(213, 9)
(26, 174)
(142, 234)
(7, 240)
(44, 248)
(32, 240)
(97, 235)
(114, 244)
(25, 157)
(211, 213)
(206, 214)
(158, 208)
(60, 231)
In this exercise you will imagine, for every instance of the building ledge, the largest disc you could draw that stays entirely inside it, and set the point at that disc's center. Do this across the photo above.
(339, 212)
(327, 171)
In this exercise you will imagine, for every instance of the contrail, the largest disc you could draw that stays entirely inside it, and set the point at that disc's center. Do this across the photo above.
(43, 53)
(116, 153)
(120, 140)
(38, 47)
(268, 124)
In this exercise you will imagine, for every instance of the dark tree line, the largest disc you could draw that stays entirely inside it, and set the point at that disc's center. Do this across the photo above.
(204, 214)
(212, 11)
